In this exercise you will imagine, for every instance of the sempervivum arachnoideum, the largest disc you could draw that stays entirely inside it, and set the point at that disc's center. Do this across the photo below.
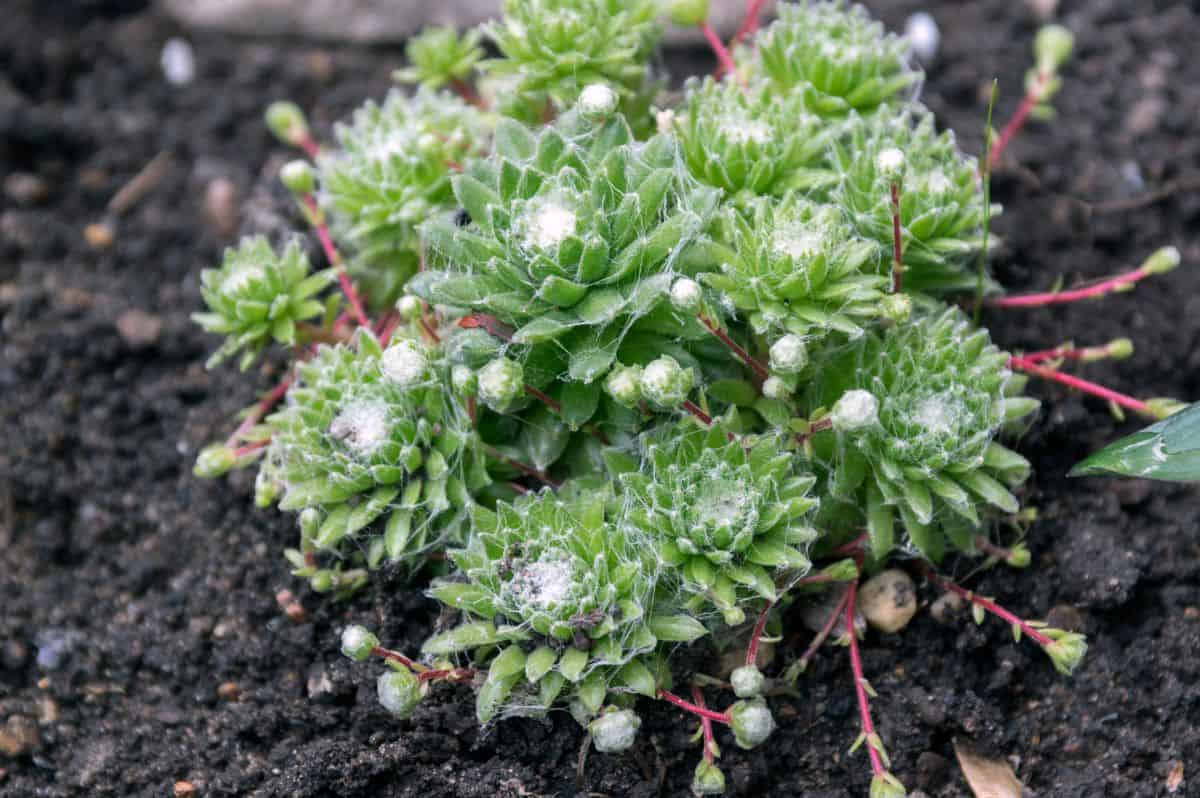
(574, 237)
(390, 172)
(729, 516)
(256, 297)
(834, 54)
(560, 605)
(370, 439)
(915, 411)
(753, 140)
(797, 267)
(942, 209)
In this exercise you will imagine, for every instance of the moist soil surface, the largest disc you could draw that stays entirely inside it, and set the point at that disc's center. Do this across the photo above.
(141, 641)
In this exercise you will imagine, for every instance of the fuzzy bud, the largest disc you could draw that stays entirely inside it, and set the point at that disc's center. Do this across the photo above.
(500, 382)
(856, 410)
(747, 681)
(404, 363)
(463, 379)
(286, 121)
(214, 460)
(1066, 649)
(298, 177)
(666, 383)
(775, 388)
(688, 12)
(708, 779)
(789, 355)
(751, 722)
(1119, 349)
(1162, 261)
(895, 308)
(1052, 47)
(1164, 406)
(614, 732)
(891, 163)
(399, 692)
(409, 307)
(885, 785)
(1019, 556)
(266, 489)
(310, 522)
(686, 295)
(597, 101)
(624, 384)
(357, 642)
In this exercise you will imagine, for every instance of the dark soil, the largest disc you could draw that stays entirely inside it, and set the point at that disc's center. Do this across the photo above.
(140, 638)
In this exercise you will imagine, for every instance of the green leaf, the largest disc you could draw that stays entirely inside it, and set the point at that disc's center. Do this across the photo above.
(1168, 451)
(579, 401)
(734, 392)
(880, 524)
(545, 328)
(638, 678)
(680, 628)
(463, 638)
(539, 663)
(592, 691)
(508, 663)
(492, 696)
(572, 663)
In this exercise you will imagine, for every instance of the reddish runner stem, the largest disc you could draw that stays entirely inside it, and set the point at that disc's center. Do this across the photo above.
(823, 635)
(251, 448)
(724, 59)
(468, 93)
(1102, 288)
(687, 706)
(262, 408)
(759, 626)
(860, 690)
(695, 410)
(1028, 103)
(396, 656)
(990, 606)
(1086, 386)
(897, 243)
(758, 368)
(705, 724)
(524, 468)
(749, 22)
(335, 260)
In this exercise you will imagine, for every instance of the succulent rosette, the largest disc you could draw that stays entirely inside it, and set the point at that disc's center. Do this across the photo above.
(560, 605)
(440, 56)
(833, 53)
(257, 297)
(916, 410)
(367, 443)
(730, 516)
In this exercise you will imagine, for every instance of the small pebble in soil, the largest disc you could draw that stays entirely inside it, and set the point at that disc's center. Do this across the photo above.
(888, 600)
(221, 206)
(54, 646)
(184, 789)
(1064, 616)
(922, 33)
(99, 235)
(19, 736)
(178, 62)
(25, 189)
(947, 608)
(138, 328)
(229, 691)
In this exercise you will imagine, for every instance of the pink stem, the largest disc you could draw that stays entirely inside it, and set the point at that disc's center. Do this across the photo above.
(261, 409)
(1086, 386)
(692, 408)
(468, 93)
(307, 143)
(714, 41)
(749, 22)
(544, 399)
(250, 448)
(826, 630)
(820, 425)
(758, 368)
(1100, 289)
(752, 649)
(335, 260)
(992, 607)
(396, 656)
(864, 706)
(524, 468)
(897, 245)
(705, 725)
(687, 706)
(1028, 103)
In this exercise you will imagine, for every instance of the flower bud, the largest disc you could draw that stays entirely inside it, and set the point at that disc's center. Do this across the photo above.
(688, 12)
(1164, 406)
(775, 388)
(686, 294)
(399, 692)
(597, 101)
(789, 355)
(1066, 649)
(409, 307)
(266, 489)
(214, 460)
(1162, 261)
(856, 410)
(708, 779)
(1119, 348)
(891, 163)
(298, 177)
(665, 383)
(747, 681)
(664, 121)
(1052, 47)
(321, 581)
(357, 642)
(286, 121)
(1019, 556)
(404, 363)
(614, 732)
(751, 722)
(500, 382)
(310, 523)
(885, 785)
(463, 380)
(624, 384)
(895, 307)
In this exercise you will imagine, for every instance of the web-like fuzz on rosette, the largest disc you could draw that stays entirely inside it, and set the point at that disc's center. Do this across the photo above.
(942, 208)
(574, 239)
(916, 410)
(390, 172)
(370, 447)
(754, 140)
(560, 607)
(257, 297)
(730, 516)
(834, 54)
(799, 268)
(553, 49)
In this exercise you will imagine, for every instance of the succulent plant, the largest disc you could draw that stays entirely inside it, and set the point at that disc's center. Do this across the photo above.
(560, 605)
(942, 211)
(754, 140)
(555, 48)
(730, 516)
(368, 442)
(915, 412)
(797, 267)
(834, 54)
(257, 296)
(573, 238)
(390, 173)
(439, 56)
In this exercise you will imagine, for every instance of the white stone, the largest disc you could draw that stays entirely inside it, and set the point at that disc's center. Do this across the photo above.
(922, 33)
(178, 62)
(888, 600)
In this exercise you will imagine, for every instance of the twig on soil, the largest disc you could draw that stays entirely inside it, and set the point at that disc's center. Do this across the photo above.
(140, 184)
